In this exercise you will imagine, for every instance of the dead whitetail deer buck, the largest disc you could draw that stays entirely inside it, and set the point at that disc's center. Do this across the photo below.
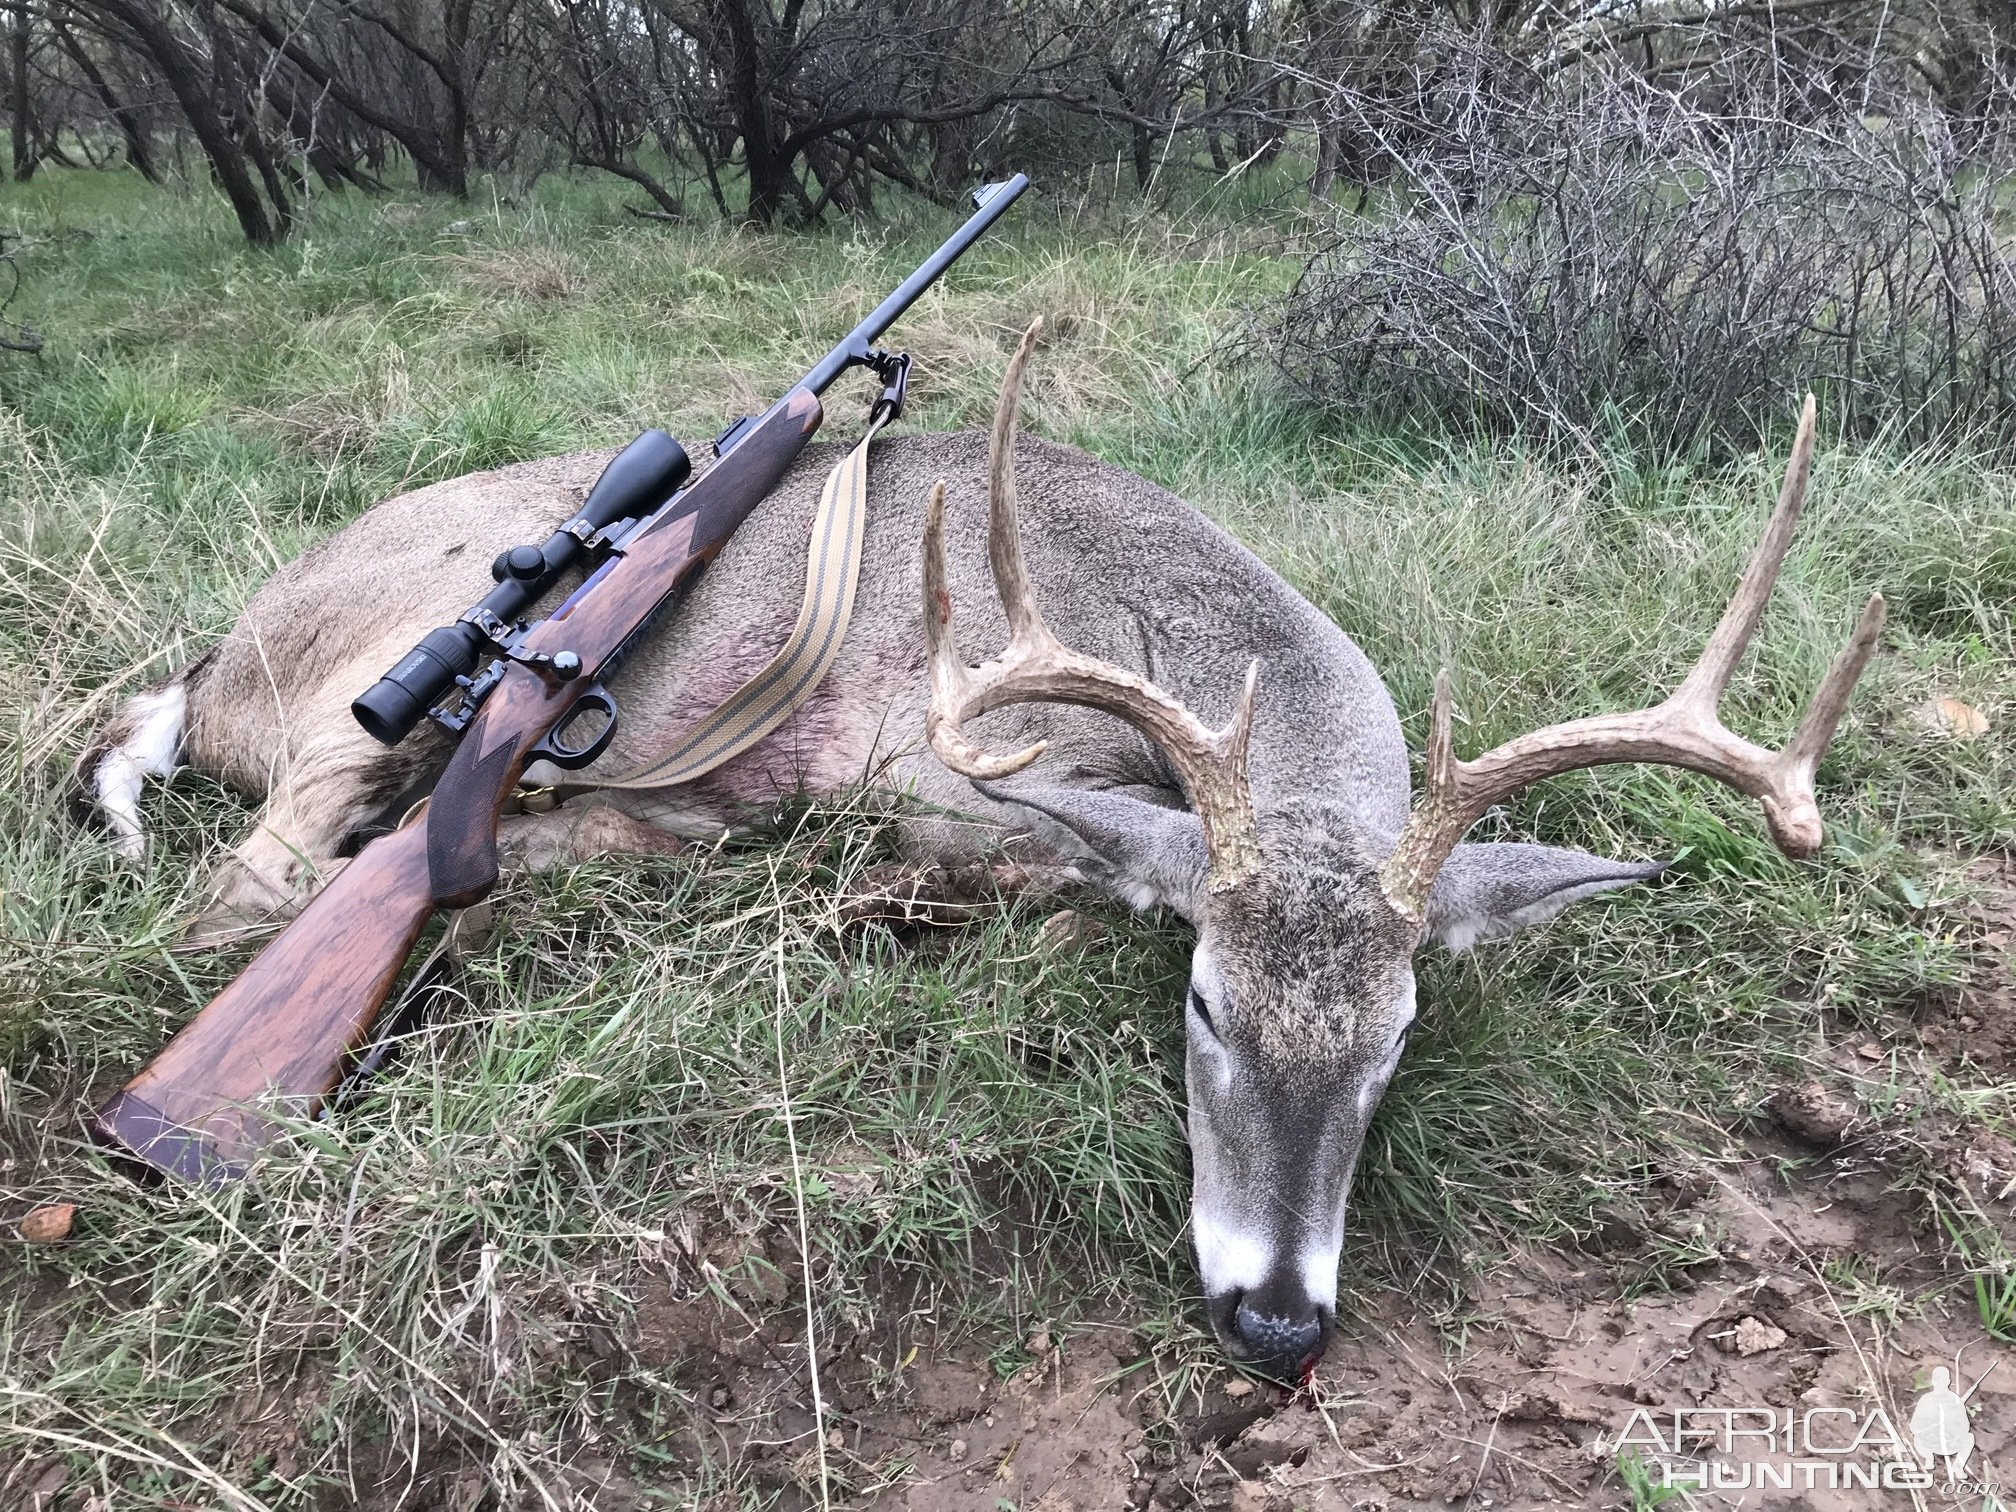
(1284, 834)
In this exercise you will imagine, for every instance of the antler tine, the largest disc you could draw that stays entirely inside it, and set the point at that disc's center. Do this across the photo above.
(1731, 638)
(1801, 759)
(953, 691)
(1004, 517)
(1684, 731)
(1036, 667)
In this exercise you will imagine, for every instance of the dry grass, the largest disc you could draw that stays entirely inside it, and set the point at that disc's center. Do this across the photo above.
(529, 270)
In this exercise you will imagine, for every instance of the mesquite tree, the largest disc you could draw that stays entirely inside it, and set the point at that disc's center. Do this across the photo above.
(785, 110)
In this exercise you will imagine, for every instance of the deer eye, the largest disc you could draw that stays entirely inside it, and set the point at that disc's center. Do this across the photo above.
(1197, 1006)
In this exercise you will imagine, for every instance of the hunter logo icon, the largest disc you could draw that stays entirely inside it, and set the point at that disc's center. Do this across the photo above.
(1939, 1423)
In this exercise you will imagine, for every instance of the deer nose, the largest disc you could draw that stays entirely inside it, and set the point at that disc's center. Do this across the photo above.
(1279, 1345)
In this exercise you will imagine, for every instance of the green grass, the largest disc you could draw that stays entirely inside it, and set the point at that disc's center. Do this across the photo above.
(1646, 1490)
(987, 1134)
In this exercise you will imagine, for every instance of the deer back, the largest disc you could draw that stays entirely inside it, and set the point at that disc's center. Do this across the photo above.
(1129, 572)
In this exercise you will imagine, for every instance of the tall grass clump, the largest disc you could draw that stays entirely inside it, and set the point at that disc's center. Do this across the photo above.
(1598, 255)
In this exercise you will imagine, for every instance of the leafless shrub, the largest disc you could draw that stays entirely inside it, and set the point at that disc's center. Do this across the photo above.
(1574, 256)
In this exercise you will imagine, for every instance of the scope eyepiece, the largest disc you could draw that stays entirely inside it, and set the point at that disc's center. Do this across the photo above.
(400, 699)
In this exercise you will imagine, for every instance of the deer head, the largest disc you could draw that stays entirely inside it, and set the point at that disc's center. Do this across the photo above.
(1301, 988)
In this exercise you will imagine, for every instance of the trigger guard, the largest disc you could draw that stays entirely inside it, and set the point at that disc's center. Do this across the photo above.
(570, 757)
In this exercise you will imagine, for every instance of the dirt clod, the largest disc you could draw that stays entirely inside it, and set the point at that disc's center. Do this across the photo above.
(49, 1224)
(41, 1492)
(948, 1393)
(1812, 1113)
(1753, 1336)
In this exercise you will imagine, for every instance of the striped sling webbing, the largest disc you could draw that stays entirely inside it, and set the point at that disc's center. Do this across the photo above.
(766, 700)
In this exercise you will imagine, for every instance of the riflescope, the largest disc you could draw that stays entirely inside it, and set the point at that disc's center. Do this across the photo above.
(637, 481)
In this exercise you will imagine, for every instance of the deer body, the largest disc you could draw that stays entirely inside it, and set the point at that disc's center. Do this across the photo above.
(1137, 574)
(1285, 836)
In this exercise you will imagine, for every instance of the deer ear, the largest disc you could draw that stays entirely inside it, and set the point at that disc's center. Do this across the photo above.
(1142, 853)
(1487, 891)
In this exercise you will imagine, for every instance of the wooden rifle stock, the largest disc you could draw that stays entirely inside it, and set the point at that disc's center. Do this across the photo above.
(279, 1038)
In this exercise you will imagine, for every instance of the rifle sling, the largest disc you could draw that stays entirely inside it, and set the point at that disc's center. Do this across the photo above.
(766, 700)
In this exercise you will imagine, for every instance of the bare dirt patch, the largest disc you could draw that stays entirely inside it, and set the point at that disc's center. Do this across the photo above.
(1974, 1028)
(1813, 1290)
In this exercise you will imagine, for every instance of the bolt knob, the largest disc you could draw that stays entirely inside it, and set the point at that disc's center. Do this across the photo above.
(566, 665)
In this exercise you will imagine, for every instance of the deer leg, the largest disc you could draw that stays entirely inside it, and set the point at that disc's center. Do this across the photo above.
(290, 854)
(300, 840)
(580, 832)
(267, 877)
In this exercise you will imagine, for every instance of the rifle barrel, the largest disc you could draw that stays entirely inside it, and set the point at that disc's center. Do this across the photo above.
(993, 201)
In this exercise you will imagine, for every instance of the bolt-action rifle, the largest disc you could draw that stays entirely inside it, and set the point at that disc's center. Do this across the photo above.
(280, 1037)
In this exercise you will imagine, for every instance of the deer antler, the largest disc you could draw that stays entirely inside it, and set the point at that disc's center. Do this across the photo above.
(1684, 731)
(1037, 668)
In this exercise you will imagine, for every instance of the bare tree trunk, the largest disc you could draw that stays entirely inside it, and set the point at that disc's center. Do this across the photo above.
(226, 161)
(186, 75)
(452, 170)
(1329, 153)
(770, 180)
(19, 105)
(138, 153)
(1144, 155)
(269, 174)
